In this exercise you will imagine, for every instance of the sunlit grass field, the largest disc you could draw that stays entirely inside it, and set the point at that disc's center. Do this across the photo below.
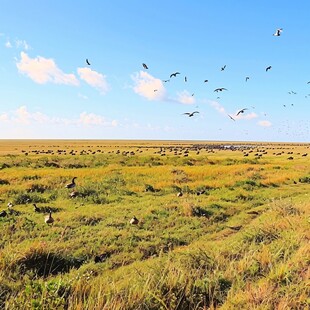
(222, 225)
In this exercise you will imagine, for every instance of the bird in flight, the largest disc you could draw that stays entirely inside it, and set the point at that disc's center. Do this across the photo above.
(246, 79)
(165, 81)
(174, 74)
(219, 89)
(185, 79)
(87, 61)
(190, 114)
(268, 68)
(145, 66)
(231, 117)
(278, 32)
(223, 68)
(206, 81)
(241, 111)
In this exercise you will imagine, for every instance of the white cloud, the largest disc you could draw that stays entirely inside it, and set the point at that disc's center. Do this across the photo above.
(247, 116)
(43, 70)
(82, 96)
(264, 123)
(94, 79)
(4, 117)
(24, 117)
(217, 107)
(185, 98)
(8, 44)
(148, 86)
(22, 44)
(92, 119)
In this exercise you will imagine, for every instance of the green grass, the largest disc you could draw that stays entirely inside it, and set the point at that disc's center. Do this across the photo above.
(183, 254)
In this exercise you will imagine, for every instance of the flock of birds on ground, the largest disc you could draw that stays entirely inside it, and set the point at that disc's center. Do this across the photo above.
(161, 150)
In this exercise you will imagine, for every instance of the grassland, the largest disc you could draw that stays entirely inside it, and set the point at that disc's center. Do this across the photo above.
(238, 237)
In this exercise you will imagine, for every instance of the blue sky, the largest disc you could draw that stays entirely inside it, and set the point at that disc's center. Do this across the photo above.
(49, 91)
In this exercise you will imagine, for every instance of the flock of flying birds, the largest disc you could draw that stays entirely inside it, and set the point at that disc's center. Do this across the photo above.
(219, 89)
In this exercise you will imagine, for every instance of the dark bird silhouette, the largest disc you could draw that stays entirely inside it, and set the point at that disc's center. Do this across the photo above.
(74, 194)
(165, 81)
(223, 68)
(134, 221)
(49, 219)
(206, 81)
(246, 79)
(174, 74)
(308, 82)
(268, 68)
(3, 213)
(231, 117)
(36, 209)
(87, 61)
(185, 79)
(72, 184)
(241, 111)
(278, 32)
(145, 66)
(190, 114)
(219, 89)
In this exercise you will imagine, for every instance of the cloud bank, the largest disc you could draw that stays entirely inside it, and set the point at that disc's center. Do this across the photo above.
(148, 86)
(43, 70)
(94, 79)
(25, 117)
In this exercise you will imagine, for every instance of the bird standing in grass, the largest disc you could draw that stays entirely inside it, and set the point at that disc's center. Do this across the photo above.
(49, 219)
(134, 221)
(72, 184)
(35, 208)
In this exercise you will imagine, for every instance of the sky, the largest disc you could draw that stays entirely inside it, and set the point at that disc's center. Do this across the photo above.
(49, 91)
